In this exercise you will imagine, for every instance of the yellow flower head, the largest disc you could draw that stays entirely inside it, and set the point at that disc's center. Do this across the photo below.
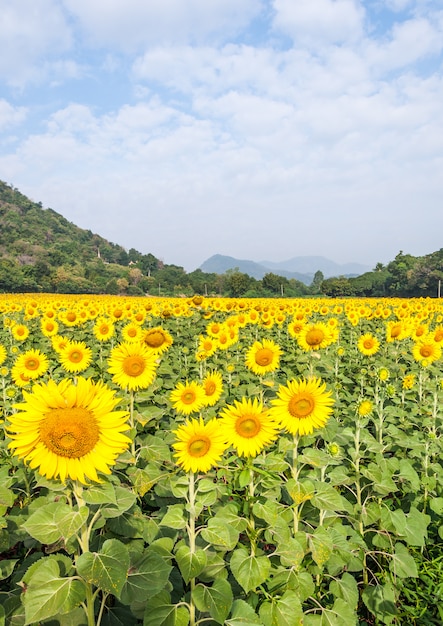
(199, 446)
(368, 344)
(132, 365)
(75, 357)
(302, 405)
(213, 387)
(69, 431)
(263, 357)
(157, 339)
(248, 427)
(30, 365)
(188, 397)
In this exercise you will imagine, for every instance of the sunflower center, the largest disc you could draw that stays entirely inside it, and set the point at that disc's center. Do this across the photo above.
(71, 317)
(263, 356)
(32, 364)
(188, 397)
(438, 335)
(104, 329)
(368, 344)
(133, 365)
(155, 340)
(199, 446)
(70, 432)
(210, 388)
(314, 337)
(301, 405)
(75, 356)
(132, 332)
(247, 426)
(395, 331)
(426, 351)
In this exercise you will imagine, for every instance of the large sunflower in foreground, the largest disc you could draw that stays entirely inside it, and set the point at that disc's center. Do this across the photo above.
(199, 446)
(302, 405)
(132, 365)
(248, 427)
(69, 430)
(263, 357)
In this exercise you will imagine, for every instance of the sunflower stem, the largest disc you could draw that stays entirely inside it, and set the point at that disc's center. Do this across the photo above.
(295, 474)
(131, 421)
(191, 537)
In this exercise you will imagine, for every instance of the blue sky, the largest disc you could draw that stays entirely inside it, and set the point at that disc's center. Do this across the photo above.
(259, 129)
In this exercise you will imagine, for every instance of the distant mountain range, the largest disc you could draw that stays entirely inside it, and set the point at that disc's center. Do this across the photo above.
(302, 268)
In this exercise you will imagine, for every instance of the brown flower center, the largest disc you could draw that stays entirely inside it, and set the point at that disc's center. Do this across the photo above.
(70, 432)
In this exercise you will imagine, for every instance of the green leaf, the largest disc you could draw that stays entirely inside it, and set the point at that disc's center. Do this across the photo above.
(102, 493)
(220, 534)
(54, 521)
(107, 569)
(287, 611)
(215, 600)
(345, 588)
(174, 517)
(160, 612)
(7, 567)
(124, 498)
(327, 498)
(249, 570)
(291, 552)
(48, 594)
(243, 614)
(380, 601)
(190, 564)
(147, 576)
(321, 546)
(402, 563)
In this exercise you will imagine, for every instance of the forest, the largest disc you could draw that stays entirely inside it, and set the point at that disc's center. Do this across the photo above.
(42, 252)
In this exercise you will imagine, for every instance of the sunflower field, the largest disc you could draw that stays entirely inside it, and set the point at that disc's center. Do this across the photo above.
(262, 462)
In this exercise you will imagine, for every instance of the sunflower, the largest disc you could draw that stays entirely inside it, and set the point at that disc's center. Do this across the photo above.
(3, 354)
(302, 405)
(48, 327)
(426, 349)
(365, 407)
(75, 357)
(263, 357)
(314, 336)
(133, 366)
(213, 387)
(368, 344)
(206, 347)
(157, 339)
(396, 331)
(69, 431)
(248, 426)
(188, 397)
(103, 329)
(31, 364)
(408, 381)
(20, 332)
(132, 333)
(200, 446)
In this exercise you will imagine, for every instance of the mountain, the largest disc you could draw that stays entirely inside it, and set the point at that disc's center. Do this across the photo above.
(301, 268)
(311, 264)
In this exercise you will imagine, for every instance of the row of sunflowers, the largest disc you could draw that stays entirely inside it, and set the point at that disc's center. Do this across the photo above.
(219, 461)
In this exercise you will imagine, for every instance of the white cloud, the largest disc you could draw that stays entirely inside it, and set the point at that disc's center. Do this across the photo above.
(10, 115)
(410, 41)
(319, 22)
(134, 23)
(30, 31)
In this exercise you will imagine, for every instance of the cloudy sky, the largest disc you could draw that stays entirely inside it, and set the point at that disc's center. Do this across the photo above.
(259, 129)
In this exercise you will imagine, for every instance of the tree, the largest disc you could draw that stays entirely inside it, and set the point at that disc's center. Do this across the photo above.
(317, 282)
(237, 283)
